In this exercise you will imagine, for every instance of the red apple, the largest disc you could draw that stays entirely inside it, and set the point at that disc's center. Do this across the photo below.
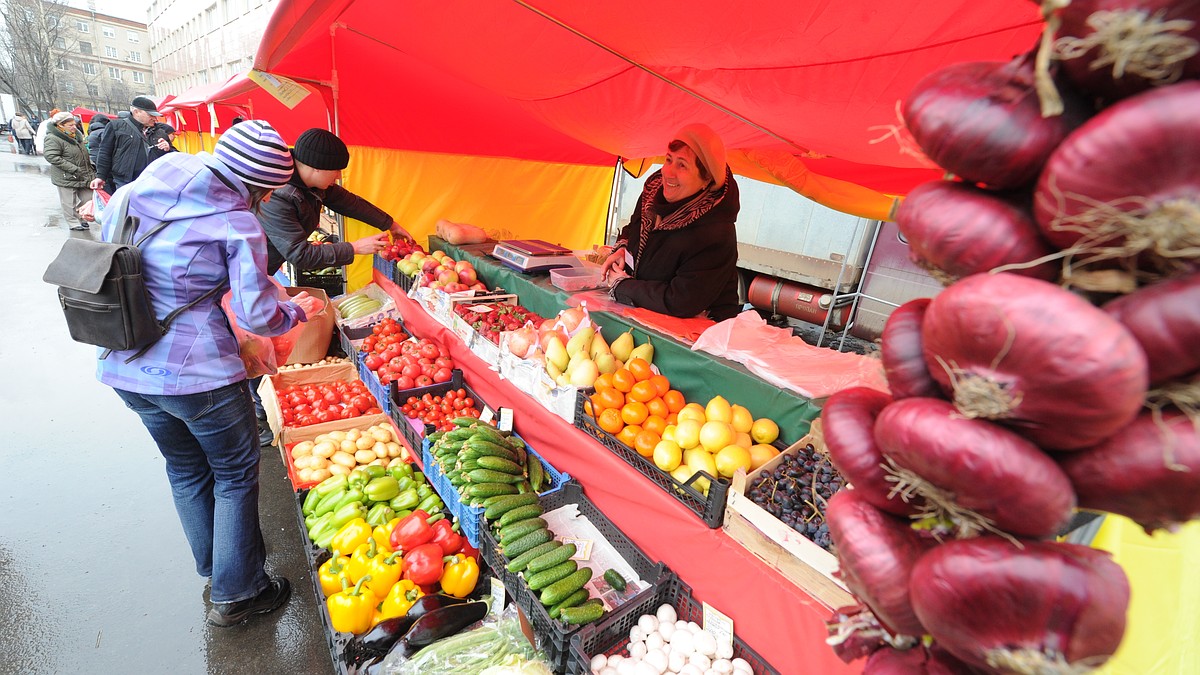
(467, 276)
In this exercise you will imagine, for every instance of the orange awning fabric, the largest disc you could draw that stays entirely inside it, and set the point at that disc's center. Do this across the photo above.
(807, 93)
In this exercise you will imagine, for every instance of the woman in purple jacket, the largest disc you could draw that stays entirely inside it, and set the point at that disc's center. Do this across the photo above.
(189, 387)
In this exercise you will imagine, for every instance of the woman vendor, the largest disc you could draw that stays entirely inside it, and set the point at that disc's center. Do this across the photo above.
(678, 254)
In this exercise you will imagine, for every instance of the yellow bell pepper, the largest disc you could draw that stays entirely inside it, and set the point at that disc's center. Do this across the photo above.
(351, 610)
(357, 567)
(400, 599)
(351, 535)
(384, 571)
(331, 573)
(460, 575)
(383, 535)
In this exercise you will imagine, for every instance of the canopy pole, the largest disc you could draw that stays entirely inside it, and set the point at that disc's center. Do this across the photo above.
(333, 75)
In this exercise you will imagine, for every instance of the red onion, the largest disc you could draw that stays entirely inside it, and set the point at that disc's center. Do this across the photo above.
(1125, 187)
(955, 230)
(982, 122)
(876, 553)
(848, 422)
(1035, 357)
(1149, 472)
(903, 355)
(1165, 320)
(1115, 48)
(1032, 608)
(919, 660)
(973, 473)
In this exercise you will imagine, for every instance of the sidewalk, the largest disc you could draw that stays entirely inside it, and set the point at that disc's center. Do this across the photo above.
(95, 574)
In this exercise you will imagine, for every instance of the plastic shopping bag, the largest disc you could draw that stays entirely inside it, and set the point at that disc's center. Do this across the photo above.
(262, 355)
(91, 211)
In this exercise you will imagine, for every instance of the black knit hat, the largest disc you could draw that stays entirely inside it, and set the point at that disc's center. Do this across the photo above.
(321, 149)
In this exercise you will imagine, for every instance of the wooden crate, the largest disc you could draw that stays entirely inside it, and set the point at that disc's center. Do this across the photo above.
(792, 554)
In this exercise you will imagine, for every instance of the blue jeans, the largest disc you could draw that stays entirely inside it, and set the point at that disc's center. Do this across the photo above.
(210, 442)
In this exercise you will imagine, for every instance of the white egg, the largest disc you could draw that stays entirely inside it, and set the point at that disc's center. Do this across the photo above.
(658, 659)
(609, 670)
(682, 641)
(654, 641)
(689, 669)
(705, 643)
(722, 666)
(599, 661)
(676, 661)
(636, 634)
(700, 660)
(725, 650)
(666, 614)
(627, 667)
(615, 660)
(666, 630)
(743, 665)
(648, 623)
(637, 650)
(646, 668)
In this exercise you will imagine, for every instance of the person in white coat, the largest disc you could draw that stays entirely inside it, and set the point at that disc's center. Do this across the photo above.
(39, 139)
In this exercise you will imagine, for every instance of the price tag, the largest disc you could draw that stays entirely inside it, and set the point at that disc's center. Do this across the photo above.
(498, 596)
(487, 415)
(506, 420)
(480, 309)
(719, 625)
(583, 548)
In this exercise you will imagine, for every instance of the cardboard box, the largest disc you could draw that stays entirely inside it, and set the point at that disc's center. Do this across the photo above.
(388, 309)
(298, 434)
(270, 400)
(313, 343)
(792, 554)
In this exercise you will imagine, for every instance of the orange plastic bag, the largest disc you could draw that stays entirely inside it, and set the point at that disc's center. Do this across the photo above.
(262, 355)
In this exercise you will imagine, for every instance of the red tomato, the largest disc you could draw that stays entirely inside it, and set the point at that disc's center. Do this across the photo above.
(424, 381)
(442, 375)
(429, 351)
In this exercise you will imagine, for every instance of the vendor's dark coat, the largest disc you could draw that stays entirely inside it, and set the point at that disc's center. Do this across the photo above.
(294, 211)
(690, 270)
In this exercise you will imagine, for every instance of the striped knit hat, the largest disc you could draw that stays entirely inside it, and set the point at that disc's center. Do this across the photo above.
(256, 153)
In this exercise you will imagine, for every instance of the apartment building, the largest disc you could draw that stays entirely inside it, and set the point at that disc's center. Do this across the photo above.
(206, 42)
(103, 61)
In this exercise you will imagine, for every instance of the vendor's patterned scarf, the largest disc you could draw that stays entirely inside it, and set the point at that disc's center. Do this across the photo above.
(659, 215)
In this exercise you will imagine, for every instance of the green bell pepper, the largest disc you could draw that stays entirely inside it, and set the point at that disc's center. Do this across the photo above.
(310, 502)
(334, 483)
(374, 471)
(419, 477)
(358, 478)
(424, 490)
(400, 471)
(329, 502)
(407, 499)
(347, 513)
(379, 514)
(382, 489)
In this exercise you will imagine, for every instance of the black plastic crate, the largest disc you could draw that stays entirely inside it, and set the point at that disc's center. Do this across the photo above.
(396, 398)
(710, 508)
(336, 641)
(610, 634)
(392, 273)
(555, 636)
(333, 284)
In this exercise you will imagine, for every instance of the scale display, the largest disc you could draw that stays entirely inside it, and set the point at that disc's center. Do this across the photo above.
(534, 255)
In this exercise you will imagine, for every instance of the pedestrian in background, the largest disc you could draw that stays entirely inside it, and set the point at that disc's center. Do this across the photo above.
(161, 131)
(23, 132)
(39, 138)
(189, 388)
(70, 167)
(95, 133)
(125, 146)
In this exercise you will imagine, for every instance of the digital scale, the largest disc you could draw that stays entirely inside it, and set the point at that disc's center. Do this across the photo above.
(534, 255)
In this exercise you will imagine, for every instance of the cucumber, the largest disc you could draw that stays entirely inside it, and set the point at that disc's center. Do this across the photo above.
(520, 513)
(546, 577)
(491, 489)
(588, 612)
(536, 473)
(464, 421)
(518, 546)
(468, 465)
(520, 529)
(488, 433)
(559, 590)
(615, 579)
(489, 476)
(514, 443)
(555, 557)
(523, 488)
(436, 436)
(577, 598)
(476, 448)
(519, 563)
(498, 506)
(500, 464)
(459, 434)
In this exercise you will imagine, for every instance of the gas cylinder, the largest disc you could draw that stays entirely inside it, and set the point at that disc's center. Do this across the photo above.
(794, 299)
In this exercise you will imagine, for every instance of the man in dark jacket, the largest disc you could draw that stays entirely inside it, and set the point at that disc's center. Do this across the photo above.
(125, 147)
(161, 131)
(95, 133)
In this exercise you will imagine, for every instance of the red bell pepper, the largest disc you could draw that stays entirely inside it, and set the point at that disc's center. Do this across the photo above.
(412, 531)
(423, 564)
(468, 550)
(445, 537)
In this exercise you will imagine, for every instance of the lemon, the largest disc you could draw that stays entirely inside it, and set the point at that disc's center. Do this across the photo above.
(761, 454)
(764, 431)
(668, 434)
(683, 472)
(731, 458)
(743, 439)
(687, 434)
(692, 411)
(716, 435)
(667, 455)
(741, 419)
(718, 410)
(700, 460)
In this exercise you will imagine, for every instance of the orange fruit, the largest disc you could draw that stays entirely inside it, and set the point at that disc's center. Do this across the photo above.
(610, 421)
(634, 412)
(661, 384)
(623, 380)
(657, 406)
(642, 392)
(644, 443)
(610, 398)
(640, 369)
(605, 381)
(654, 423)
(629, 434)
(673, 418)
(674, 400)
(587, 407)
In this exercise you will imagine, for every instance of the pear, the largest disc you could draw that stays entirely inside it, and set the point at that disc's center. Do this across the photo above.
(623, 346)
(562, 380)
(556, 353)
(607, 363)
(553, 371)
(645, 352)
(580, 341)
(598, 346)
(584, 374)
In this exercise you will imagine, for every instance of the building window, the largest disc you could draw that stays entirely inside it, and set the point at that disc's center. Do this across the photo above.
(136, 57)
(110, 32)
(69, 87)
(82, 26)
(85, 48)
(61, 64)
(132, 36)
(114, 73)
(111, 52)
(52, 22)
(60, 43)
(93, 90)
(89, 69)
(139, 77)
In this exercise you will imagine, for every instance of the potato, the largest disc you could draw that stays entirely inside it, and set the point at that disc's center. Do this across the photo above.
(302, 448)
(364, 456)
(338, 436)
(324, 449)
(354, 434)
(303, 462)
(344, 459)
(380, 450)
(318, 463)
(349, 447)
(382, 433)
(378, 462)
(393, 449)
(304, 475)
(338, 470)
(365, 443)
(319, 475)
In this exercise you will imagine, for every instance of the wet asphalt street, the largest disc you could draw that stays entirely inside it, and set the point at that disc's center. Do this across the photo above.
(95, 574)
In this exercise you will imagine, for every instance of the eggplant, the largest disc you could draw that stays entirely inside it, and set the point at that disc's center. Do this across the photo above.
(380, 639)
(440, 623)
